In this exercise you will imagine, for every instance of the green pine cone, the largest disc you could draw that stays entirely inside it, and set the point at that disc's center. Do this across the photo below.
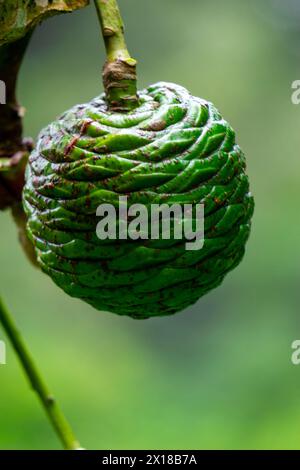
(174, 148)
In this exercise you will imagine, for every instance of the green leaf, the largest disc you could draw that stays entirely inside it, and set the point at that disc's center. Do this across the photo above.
(17, 17)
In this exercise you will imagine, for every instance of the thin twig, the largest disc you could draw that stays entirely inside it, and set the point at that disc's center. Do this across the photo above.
(55, 415)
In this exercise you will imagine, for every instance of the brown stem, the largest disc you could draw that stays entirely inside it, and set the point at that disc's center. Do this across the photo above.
(13, 148)
(11, 56)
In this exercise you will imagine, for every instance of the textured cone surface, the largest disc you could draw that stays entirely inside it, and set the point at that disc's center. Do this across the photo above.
(174, 148)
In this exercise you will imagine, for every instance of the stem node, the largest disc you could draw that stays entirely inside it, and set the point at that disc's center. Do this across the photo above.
(119, 71)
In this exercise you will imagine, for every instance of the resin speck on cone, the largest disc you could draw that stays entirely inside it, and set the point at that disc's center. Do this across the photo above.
(173, 148)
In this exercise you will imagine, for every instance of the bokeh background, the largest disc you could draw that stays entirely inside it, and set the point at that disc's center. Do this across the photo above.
(218, 375)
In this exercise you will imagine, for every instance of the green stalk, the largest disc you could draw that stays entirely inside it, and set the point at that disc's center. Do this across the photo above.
(49, 403)
(119, 71)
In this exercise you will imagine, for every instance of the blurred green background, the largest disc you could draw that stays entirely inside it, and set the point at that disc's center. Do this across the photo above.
(218, 375)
